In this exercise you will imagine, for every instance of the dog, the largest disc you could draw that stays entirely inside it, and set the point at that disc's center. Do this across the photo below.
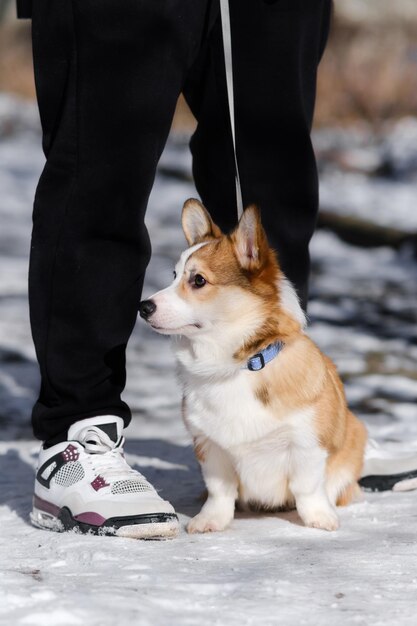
(265, 407)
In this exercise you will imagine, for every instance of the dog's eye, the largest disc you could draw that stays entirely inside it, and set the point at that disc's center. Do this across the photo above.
(199, 281)
(175, 274)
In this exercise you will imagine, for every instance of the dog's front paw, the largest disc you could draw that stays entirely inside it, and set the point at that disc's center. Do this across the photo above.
(203, 523)
(325, 520)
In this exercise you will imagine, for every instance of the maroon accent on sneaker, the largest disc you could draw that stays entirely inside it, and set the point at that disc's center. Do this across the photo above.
(70, 453)
(99, 482)
(44, 505)
(90, 518)
(87, 518)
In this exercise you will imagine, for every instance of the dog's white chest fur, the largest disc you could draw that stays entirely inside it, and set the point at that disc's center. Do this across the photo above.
(227, 411)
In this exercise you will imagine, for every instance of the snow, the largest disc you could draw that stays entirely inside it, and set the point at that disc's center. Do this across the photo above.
(395, 205)
(265, 569)
(349, 155)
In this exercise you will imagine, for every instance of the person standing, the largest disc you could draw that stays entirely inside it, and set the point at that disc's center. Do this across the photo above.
(108, 75)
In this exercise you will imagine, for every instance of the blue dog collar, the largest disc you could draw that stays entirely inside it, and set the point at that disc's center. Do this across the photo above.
(259, 360)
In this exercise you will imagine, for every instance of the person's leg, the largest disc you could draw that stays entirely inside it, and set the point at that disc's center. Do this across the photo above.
(277, 45)
(108, 75)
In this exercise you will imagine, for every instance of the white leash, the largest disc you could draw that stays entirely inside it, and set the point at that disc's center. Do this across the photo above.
(227, 47)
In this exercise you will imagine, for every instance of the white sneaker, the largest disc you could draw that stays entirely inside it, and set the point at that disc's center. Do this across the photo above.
(386, 469)
(85, 484)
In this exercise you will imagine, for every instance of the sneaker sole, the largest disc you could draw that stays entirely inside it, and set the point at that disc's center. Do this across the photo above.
(148, 526)
(385, 483)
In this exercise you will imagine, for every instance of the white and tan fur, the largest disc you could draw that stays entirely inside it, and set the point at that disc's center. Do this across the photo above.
(279, 437)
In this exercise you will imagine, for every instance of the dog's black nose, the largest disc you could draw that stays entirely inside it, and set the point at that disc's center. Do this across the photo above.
(146, 308)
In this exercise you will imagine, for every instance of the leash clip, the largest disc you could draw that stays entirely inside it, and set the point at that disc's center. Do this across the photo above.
(251, 363)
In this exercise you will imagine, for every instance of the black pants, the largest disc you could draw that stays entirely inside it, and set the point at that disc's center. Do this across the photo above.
(108, 75)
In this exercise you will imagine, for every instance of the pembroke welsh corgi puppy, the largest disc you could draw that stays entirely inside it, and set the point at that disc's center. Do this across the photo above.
(266, 409)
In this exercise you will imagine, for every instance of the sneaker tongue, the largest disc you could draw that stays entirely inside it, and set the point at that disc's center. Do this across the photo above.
(110, 430)
(106, 428)
(95, 440)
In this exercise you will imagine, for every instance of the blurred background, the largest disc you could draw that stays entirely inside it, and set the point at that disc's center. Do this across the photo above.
(364, 279)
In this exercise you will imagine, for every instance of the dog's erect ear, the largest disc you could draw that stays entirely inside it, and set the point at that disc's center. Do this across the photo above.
(249, 239)
(197, 223)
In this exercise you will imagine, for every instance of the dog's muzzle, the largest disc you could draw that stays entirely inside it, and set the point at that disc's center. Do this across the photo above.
(146, 309)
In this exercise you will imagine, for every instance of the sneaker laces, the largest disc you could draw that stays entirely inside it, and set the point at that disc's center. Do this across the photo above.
(107, 456)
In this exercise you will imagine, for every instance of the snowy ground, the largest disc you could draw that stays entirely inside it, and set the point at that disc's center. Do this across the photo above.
(265, 569)
(371, 175)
